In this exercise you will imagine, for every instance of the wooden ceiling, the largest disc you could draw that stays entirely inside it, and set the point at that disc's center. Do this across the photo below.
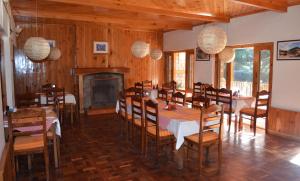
(162, 15)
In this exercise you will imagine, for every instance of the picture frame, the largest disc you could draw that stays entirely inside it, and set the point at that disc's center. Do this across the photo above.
(100, 47)
(288, 50)
(201, 56)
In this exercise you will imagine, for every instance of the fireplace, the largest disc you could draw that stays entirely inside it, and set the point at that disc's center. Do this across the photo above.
(100, 90)
(94, 83)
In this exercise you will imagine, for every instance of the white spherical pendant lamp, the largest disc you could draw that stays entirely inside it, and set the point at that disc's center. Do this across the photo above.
(212, 40)
(227, 55)
(140, 49)
(54, 54)
(36, 48)
(156, 54)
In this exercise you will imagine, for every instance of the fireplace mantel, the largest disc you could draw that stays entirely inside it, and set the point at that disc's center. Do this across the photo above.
(83, 71)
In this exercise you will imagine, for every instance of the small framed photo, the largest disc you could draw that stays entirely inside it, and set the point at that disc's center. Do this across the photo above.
(288, 50)
(100, 47)
(201, 56)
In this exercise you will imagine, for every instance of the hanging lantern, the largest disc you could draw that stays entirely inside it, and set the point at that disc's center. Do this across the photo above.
(36, 48)
(212, 40)
(54, 54)
(156, 54)
(227, 55)
(140, 49)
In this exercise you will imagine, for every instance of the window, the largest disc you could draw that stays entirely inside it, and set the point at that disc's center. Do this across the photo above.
(249, 72)
(179, 66)
(180, 69)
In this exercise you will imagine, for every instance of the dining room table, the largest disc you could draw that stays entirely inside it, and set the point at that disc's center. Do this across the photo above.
(52, 124)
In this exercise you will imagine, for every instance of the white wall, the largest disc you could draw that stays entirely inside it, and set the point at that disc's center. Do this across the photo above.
(7, 54)
(257, 28)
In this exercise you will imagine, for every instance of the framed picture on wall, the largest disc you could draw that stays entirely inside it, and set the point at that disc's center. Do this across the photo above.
(201, 56)
(100, 47)
(288, 50)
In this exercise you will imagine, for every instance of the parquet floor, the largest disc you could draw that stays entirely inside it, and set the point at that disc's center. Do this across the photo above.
(94, 150)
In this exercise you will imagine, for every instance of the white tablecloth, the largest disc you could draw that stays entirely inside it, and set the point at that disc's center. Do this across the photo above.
(51, 118)
(69, 99)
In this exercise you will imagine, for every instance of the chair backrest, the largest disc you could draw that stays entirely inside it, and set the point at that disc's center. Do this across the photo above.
(163, 94)
(123, 106)
(262, 101)
(54, 94)
(137, 109)
(28, 118)
(28, 100)
(178, 98)
(212, 116)
(211, 93)
(129, 92)
(151, 115)
(197, 89)
(139, 90)
(197, 101)
(60, 95)
(147, 84)
(225, 97)
(45, 87)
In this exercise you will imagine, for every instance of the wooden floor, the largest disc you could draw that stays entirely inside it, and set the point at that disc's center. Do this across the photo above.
(94, 150)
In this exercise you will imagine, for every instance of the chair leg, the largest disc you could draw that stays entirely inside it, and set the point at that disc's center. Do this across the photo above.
(235, 123)
(29, 162)
(146, 144)
(254, 126)
(219, 155)
(46, 157)
(55, 151)
(200, 158)
(240, 122)
(156, 151)
(229, 122)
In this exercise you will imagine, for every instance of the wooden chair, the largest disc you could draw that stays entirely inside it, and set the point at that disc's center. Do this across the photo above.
(138, 124)
(28, 100)
(211, 120)
(48, 86)
(225, 98)
(211, 93)
(129, 92)
(124, 116)
(139, 89)
(260, 110)
(178, 98)
(159, 136)
(163, 94)
(147, 85)
(57, 94)
(196, 92)
(200, 102)
(29, 141)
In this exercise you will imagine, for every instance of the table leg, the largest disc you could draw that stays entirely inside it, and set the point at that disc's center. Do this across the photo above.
(55, 148)
(72, 113)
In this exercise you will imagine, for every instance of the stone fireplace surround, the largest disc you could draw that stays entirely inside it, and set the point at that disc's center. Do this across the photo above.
(103, 74)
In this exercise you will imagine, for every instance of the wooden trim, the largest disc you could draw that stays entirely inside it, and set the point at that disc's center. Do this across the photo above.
(6, 164)
(122, 70)
(271, 5)
(127, 6)
(217, 72)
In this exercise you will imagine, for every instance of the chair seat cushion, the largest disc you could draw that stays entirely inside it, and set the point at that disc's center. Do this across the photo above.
(23, 143)
(162, 132)
(208, 137)
(250, 111)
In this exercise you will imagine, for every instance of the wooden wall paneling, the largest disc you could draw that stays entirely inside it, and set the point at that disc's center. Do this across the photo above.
(284, 123)
(119, 55)
(30, 76)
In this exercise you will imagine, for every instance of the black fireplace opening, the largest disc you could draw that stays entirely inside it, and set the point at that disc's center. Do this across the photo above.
(101, 90)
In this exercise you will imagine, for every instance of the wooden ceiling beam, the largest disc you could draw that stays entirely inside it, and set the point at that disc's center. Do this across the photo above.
(125, 6)
(273, 5)
(126, 23)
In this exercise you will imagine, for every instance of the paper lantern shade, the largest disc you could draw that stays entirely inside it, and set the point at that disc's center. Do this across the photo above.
(227, 55)
(54, 54)
(156, 54)
(212, 40)
(140, 49)
(36, 48)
